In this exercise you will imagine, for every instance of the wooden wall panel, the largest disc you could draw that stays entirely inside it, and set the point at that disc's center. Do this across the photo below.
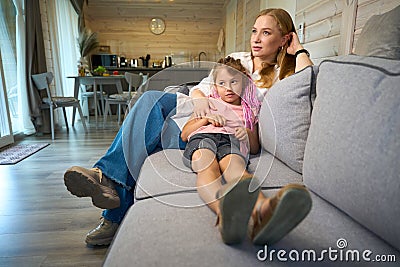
(240, 25)
(322, 23)
(252, 10)
(190, 28)
(319, 11)
(304, 4)
(323, 29)
(47, 42)
(247, 11)
(332, 27)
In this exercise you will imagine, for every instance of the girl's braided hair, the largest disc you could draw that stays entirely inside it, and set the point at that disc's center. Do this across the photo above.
(249, 101)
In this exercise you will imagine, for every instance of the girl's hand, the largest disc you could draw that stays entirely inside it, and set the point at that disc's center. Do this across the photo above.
(201, 107)
(216, 120)
(294, 44)
(241, 133)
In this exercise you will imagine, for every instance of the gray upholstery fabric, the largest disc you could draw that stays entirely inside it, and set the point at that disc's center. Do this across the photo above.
(272, 172)
(325, 225)
(285, 118)
(174, 236)
(380, 36)
(353, 150)
(164, 173)
(155, 233)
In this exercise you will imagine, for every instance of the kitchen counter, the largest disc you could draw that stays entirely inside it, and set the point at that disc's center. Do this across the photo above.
(151, 71)
(133, 69)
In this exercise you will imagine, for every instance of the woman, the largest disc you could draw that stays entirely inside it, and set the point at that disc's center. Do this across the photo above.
(275, 54)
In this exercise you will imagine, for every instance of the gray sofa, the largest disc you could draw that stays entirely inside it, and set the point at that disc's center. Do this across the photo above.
(335, 128)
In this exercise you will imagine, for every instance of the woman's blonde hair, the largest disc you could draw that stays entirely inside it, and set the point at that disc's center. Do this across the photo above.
(285, 61)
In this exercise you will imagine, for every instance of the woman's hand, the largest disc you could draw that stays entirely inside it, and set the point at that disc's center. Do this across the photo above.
(302, 60)
(241, 133)
(201, 104)
(201, 107)
(294, 44)
(216, 120)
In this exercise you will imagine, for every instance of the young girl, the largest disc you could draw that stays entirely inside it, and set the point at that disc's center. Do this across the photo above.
(219, 144)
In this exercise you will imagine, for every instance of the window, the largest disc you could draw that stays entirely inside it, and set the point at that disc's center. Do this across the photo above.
(8, 56)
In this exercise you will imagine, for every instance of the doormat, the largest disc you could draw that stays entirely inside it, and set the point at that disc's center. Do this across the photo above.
(16, 153)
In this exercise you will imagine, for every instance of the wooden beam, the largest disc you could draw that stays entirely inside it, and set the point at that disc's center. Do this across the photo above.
(347, 29)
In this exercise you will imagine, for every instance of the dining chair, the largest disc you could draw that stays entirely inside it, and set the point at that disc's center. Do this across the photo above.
(122, 99)
(42, 81)
(87, 94)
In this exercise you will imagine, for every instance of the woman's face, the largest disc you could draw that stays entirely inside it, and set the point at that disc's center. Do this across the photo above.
(229, 86)
(266, 38)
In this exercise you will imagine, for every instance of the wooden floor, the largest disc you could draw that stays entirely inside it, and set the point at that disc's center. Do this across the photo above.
(41, 223)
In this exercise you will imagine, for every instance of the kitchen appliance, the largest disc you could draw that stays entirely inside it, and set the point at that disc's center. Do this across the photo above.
(168, 61)
(145, 60)
(123, 62)
(134, 63)
(105, 60)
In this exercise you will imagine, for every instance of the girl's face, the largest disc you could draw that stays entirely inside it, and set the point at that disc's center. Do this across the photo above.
(266, 38)
(229, 85)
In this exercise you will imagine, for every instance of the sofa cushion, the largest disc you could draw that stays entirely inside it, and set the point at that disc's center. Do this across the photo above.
(271, 172)
(158, 232)
(285, 117)
(327, 227)
(165, 232)
(164, 173)
(353, 149)
(380, 36)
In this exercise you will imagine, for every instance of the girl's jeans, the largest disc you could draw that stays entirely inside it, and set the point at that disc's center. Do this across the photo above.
(147, 127)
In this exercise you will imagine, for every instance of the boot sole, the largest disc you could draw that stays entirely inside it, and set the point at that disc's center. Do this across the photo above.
(100, 242)
(81, 185)
(236, 208)
(293, 207)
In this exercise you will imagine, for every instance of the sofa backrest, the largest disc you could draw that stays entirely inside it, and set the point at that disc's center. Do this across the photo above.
(352, 155)
(285, 117)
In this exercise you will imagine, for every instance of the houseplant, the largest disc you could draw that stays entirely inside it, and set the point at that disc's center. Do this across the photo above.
(87, 42)
(100, 70)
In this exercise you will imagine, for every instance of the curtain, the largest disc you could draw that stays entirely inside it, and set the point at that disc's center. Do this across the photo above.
(35, 61)
(63, 27)
(7, 45)
(8, 67)
(77, 5)
(24, 124)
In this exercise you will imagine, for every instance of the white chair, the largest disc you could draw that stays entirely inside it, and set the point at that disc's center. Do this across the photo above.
(42, 81)
(123, 99)
(85, 95)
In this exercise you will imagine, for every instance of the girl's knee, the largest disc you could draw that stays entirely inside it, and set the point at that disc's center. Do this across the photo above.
(203, 159)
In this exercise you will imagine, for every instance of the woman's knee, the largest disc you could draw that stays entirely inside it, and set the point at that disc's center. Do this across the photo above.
(150, 96)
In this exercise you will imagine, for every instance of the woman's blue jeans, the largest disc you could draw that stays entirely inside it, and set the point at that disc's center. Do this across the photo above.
(146, 129)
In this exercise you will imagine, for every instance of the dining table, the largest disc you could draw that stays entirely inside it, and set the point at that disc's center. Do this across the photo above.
(96, 81)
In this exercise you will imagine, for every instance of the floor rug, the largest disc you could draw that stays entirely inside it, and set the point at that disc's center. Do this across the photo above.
(16, 153)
